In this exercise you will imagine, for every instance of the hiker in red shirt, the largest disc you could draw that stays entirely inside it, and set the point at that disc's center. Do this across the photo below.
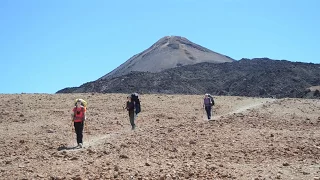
(78, 118)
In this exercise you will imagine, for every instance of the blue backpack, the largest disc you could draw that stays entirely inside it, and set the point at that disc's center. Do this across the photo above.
(135, 98)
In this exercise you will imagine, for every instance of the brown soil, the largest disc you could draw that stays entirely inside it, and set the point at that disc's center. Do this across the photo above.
(250, 138)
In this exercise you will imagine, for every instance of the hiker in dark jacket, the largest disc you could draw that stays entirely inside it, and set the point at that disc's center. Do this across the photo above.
(207, 104)
(130, 108)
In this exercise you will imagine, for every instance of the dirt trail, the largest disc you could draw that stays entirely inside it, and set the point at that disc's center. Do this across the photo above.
(100, 139)
(253, 105)
(244, 106)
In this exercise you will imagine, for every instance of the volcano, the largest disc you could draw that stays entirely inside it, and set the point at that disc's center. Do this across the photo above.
(168, 52)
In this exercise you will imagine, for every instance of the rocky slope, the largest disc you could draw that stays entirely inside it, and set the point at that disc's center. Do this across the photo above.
(166, 53)
(259, 77)
(252, 138)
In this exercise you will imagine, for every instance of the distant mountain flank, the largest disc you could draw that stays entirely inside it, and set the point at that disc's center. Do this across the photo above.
(175, 65)
(259, 77)
(168, 52)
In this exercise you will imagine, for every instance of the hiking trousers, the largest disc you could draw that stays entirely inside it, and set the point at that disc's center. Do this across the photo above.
(78, 126)
(208, 110)
(132, 117)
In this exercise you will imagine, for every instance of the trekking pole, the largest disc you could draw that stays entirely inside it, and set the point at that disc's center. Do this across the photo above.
(202, 107)
(72, 118)
(204, 113)
(71, 126)
(87, 130)
(72, 129)
(212, 113)
(86, 127)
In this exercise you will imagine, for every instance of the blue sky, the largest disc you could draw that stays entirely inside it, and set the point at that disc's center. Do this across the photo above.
(46, 45)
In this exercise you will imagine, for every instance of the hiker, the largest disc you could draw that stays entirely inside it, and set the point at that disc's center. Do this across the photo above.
(78, 118)
(207, 104)
(130, 108)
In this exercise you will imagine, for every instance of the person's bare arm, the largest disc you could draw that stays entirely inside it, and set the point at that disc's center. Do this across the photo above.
(84, 116)
(72, 115)
(72, 118)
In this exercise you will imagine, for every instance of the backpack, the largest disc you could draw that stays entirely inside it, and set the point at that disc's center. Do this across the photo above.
(135, 98)
(83, 103)
(211, 100)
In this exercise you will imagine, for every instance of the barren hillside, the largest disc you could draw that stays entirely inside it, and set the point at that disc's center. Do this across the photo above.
(168, 52)
(261, 77)
(251, 138)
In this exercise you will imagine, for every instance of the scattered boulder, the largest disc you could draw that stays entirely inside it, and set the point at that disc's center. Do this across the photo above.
(116, 168)
(122, 156)
(78, 177)
(40, 175)
(90, 151)
(162, 177)
(286, 164)
(50, 131)
(57, 178)
(212, 167)
(147, 164)
(123, 145)
(74, 158)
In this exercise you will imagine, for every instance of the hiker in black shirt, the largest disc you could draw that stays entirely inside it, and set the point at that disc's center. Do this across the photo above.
(130, 108)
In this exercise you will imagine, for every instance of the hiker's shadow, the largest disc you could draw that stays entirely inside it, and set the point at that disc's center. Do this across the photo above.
(63, 147)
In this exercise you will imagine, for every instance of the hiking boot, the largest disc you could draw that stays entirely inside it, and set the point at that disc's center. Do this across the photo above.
(80, 145)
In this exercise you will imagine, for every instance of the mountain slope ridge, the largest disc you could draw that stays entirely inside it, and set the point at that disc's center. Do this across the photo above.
(166, 53)
(258, 77)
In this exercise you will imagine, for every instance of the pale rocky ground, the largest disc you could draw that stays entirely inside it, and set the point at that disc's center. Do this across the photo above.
(250, 138)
